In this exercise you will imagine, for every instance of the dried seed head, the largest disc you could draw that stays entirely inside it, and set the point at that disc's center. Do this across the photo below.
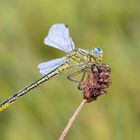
(97, 81)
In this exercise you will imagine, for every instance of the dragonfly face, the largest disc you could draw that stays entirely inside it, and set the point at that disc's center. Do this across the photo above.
(97, 54)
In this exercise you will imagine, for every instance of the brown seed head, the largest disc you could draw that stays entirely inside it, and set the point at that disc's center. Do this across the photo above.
(97, 81)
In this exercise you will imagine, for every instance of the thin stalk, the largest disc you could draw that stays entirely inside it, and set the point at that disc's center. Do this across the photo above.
(72, 119)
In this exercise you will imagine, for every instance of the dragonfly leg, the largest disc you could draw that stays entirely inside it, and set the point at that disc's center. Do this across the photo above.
(70, 77)
(81, 80)
(83, 71)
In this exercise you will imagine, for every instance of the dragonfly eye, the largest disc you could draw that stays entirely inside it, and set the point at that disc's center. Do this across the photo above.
(97, 53)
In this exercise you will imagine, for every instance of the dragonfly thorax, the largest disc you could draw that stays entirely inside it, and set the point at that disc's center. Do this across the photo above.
(80, 57)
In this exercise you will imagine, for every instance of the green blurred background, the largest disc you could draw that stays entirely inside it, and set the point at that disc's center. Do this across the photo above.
(113, 25)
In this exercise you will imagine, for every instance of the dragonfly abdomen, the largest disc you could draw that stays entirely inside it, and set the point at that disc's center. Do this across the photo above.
(33, 85)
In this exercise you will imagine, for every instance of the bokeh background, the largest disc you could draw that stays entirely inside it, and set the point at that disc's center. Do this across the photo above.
(113, 25)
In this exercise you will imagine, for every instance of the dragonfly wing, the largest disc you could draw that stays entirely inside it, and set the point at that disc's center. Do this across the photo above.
(58, 37)
(47, 67)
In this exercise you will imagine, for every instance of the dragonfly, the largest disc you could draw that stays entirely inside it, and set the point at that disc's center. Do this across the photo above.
(59, 38)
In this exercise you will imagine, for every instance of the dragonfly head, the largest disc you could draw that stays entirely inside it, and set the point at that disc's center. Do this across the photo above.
(97, 54)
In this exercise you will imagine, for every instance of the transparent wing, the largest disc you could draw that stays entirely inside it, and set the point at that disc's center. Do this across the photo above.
(58, 37)
(47, 67)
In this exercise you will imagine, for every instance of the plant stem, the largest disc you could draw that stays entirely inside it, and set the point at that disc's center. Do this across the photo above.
(72, 119)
